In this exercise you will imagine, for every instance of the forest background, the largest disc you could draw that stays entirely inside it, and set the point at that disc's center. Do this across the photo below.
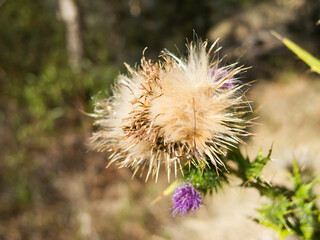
(56, 55)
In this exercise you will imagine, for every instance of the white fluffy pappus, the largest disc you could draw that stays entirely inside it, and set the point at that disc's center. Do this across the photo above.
(173, 112)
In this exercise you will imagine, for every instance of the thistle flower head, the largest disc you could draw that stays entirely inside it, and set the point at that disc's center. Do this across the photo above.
(185, 199)
(172, 112)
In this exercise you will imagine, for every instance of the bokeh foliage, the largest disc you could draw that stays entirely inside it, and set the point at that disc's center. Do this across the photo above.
(41, 96)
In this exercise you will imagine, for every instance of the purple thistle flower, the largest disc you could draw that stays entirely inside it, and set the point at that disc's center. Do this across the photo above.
(220, 75)
(186, 198)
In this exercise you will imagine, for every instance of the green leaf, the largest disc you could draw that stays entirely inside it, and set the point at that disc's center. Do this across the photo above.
(274, 216)
(254, 169)
(296, 174)
(305, 56)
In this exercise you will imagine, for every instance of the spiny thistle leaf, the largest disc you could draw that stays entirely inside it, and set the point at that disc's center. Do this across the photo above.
(254, 170)
(293, 213)
(272, 216)
(296, 174)
(247, 170)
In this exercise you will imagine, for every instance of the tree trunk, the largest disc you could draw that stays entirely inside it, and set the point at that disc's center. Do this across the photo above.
(70, 15)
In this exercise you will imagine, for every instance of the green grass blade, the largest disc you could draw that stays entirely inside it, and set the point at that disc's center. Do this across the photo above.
(312, 61)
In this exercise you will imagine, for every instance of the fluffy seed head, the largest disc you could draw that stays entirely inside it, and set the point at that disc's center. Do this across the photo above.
(172, 112)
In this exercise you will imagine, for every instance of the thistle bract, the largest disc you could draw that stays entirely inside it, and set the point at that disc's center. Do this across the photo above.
(172, 112)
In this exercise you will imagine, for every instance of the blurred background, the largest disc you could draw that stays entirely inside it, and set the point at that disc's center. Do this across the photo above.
(55, 55)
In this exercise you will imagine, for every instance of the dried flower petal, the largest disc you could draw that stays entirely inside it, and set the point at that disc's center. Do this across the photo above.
(221, 74)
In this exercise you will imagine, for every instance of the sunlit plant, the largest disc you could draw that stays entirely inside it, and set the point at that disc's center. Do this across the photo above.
(188, 116)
